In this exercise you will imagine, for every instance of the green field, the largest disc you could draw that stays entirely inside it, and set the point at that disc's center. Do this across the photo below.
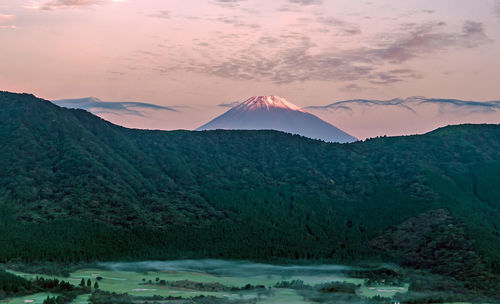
(31, 299)
(134, 279)
(39, 297)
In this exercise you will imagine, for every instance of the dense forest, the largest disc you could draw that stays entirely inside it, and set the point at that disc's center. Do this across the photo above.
(74, 187)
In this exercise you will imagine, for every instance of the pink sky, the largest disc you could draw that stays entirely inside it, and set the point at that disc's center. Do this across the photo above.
(195, 55)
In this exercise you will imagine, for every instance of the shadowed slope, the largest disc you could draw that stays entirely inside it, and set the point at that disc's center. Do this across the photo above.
(75, 187)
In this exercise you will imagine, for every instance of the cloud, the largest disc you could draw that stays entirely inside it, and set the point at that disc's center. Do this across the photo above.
(403, 116)
(497, 8)
(306, 2)
(295, 57)
(97, 106)
(162, 14)
(229, 104)
(464, 105)
(61, 4)
(287, 65)
(228, 3)
(298, 6)
(428, 38)
(348, 104)
(394, 76)
(237, 22)
(411, 104)
(344, 28)
(352, 87)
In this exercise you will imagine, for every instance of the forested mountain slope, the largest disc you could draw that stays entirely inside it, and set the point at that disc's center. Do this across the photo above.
(75, 187)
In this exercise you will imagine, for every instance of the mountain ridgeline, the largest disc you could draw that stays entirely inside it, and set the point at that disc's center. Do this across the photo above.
(74, 187)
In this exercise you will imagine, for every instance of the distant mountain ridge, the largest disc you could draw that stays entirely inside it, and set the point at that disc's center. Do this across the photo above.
(276, 113)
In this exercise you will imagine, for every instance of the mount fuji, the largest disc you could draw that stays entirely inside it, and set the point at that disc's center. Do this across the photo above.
(276, 113)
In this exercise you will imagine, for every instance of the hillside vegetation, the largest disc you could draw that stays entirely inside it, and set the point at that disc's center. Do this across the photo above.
(74, 187)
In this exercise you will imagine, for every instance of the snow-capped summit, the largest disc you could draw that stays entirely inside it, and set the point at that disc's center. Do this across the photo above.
(276, 113)
(268, 103)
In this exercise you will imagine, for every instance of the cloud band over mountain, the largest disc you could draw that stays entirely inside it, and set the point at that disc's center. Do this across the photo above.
(97, 106)
(412, 102)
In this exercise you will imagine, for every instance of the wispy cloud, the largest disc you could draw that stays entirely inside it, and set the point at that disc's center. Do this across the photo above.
(228, 3)
(295, 57)
(344, 27)
(97, 106)
(464, 105)
(229, 104)
(162, 14)
(352, 87)
(306, 2)
(411, 104)
(497, 8)
(61, 4)
(237, 22)
(426, 39)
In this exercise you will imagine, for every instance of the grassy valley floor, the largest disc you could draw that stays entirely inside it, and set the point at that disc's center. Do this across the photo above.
(242, 278)
(235, 282)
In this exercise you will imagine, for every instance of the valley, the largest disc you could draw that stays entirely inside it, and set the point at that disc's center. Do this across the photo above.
(232, 282)
(88, 192)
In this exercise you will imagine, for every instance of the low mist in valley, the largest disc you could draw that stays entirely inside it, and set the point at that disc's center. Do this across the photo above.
(228, 268)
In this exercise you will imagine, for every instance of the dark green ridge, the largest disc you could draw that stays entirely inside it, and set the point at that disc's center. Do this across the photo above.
(74, 187)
